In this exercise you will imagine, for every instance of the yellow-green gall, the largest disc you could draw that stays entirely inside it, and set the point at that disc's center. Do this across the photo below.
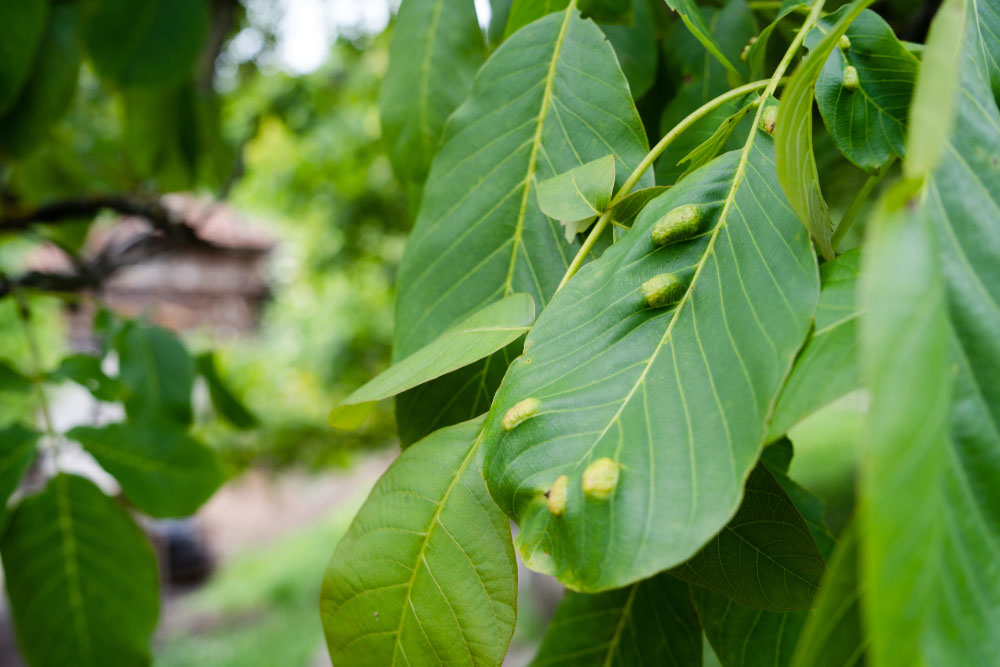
(679, 224)
(851, 81)
(844, 43)
(662, 290)
(600, 479)
(768, 119)
(522, 411)
(746, 49)
(556, 496)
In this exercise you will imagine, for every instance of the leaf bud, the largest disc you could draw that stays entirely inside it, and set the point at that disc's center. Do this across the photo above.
(600, 479)
(662, 290)
(844, 43)
(768, 119)
(679, 224)
(522, 411)
(851, 81)
(555, 498)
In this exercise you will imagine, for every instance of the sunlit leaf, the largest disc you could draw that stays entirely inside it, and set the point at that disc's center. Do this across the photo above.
(81, 579)
(648, 623)
(426, 573)
(162, 470)
(677, 396)
(904, 335)
(576, 197)
(480, 235)
(479, 335)
(437, 46)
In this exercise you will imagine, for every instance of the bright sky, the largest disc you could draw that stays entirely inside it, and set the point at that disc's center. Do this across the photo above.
(307, 28)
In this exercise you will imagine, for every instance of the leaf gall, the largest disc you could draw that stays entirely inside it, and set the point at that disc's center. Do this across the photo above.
(679, 224)
(556, 496)
(662, 290)
(600, 479)
(522, 411)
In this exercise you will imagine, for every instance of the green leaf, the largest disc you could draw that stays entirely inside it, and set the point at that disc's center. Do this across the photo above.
(24, 25)
(867, 123)
(933, 110)
(651, 622)
(756, 53)
(834, 635)
(905, 360)
(49, 91)
(677, 396)
(11, 379)
(703, 79)
(157, 374)
(793, 140)
(765, 557)
(809, 506)
(426, 573)
(85, 370)
(162, 470)
(436, 48)
(479, 335)
(480, 235)
(576, 197)
(81, 579)
(225, 402)
(523, 12)
(961, 200)
(636, 48)
(152, 43)
(704, 152)
(744, 637)
(17, 451)
(827, 367)
(625, 212)
(688, 11)
(161, 134)
(499, 11)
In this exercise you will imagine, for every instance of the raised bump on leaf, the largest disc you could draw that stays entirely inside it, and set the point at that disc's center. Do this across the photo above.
(679, 224)
(768, 119)
(851, 81)
(746, 49)
(521, 411)
(555, 498)
(660, 291)
(844, 43)
(600, 479)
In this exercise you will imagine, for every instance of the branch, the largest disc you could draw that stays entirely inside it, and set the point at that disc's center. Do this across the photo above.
(85, 207)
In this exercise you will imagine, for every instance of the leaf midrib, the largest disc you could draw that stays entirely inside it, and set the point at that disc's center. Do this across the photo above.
(536, 143)
(71, 568)
(425, 68)
(421, 552)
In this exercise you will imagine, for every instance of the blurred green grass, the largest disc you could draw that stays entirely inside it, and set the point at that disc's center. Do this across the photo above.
(259, 608)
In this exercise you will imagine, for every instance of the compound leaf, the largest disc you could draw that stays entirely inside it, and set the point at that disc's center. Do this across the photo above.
(477, 336)
(162, 470)
(81, 578)
(480, 235)
(426, 573)
(651, 622)
(676, 396)
(866, 121)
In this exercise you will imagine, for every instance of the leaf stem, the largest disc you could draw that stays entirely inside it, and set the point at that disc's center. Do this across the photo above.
(647, 162)
(859, 200)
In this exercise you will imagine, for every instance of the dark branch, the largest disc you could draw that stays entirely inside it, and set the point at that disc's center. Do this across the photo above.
(87, 207)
